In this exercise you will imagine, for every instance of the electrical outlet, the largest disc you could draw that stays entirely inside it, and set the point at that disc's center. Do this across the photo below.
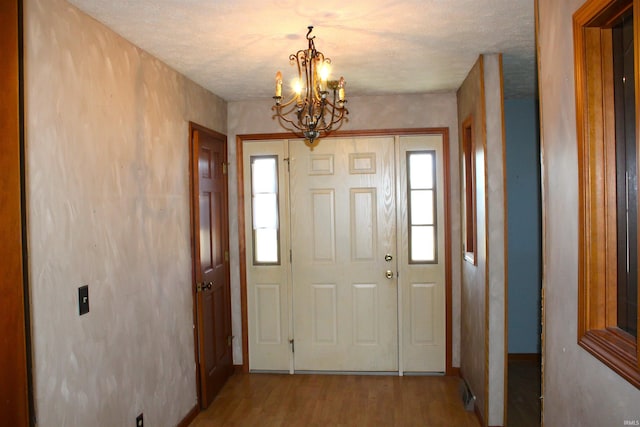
(140, 421)
(83, 299)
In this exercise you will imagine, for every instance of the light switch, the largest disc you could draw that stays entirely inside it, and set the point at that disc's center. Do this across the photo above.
(83, 299)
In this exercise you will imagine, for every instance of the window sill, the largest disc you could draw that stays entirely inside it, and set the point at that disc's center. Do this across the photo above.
(616, 349)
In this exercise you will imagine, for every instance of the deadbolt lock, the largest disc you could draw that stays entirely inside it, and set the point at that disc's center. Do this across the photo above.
(388, 257)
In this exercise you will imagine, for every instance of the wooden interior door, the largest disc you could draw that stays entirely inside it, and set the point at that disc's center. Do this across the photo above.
(343, 225)
(211, 260)
(14, 381)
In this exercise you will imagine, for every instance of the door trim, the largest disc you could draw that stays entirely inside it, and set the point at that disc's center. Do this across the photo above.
(16, 395)
(240, 139)
(196, 127)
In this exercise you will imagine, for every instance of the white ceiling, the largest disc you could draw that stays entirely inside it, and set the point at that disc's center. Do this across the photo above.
(234, 47)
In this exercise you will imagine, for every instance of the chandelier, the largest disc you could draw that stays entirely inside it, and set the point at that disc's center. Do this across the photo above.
(317, 104)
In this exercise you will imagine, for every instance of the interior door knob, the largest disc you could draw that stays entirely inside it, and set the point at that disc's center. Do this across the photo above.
(389, 274)
(201, 287)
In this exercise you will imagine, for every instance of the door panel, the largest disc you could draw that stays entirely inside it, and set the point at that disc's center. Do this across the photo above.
(342, 225)
(422, 285)
(268, 294)
(210, 224)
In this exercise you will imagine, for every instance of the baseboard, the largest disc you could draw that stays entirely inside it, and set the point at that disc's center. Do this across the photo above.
(191, 415)
(238, 369)
(454, 372)
(523, 357)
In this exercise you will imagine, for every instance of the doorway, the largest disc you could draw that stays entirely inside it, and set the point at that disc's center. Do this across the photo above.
(346, 256)
(524, 210)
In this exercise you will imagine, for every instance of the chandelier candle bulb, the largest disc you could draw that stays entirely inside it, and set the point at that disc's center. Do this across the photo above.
(324, 75)
(278, 84)
(297, 86)
(341, 89)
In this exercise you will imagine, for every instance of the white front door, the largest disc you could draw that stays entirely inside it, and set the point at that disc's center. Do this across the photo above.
(342, 226)
(359, 279)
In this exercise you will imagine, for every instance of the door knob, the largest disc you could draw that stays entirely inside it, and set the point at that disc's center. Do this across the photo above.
(201, 287)
(388, 257)
(389, 274)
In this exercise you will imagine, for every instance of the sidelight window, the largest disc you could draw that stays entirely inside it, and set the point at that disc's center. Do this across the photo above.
(422, 207)
(264, 210)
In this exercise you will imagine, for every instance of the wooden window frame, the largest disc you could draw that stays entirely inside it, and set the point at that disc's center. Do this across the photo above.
(597, 257)
(469, 193)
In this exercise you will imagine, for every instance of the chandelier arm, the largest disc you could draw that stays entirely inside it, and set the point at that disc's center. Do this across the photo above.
(296, 58)
(282, 116)
(327, 126)
(286, 104)
(282, 119)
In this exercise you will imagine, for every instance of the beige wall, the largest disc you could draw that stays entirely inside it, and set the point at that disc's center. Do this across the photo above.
(482, 326)
(578, 389)
(366, 113)
(108, 206)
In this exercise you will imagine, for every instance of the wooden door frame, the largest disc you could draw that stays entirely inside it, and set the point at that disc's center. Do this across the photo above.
(16, 395)
(196, 127)
(242, 250)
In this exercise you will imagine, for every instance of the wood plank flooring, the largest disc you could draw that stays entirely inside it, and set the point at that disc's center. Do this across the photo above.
(524, 393)
(337, 400)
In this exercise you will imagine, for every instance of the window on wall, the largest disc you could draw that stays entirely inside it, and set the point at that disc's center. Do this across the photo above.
(264, 210)
(469, 202)
(626, 172)
(422, 207)
(606, 49)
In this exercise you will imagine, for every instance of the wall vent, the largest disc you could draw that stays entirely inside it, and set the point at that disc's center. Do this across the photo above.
(468, 398)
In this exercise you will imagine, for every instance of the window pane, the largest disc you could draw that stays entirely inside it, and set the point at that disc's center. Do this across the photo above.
(264, 178)
(266, 245)
(421, 170)
(423, 244)
(626, 172)
(265, 211)
(421, 207)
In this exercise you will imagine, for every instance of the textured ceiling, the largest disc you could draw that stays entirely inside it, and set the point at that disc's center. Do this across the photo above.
(235, 47)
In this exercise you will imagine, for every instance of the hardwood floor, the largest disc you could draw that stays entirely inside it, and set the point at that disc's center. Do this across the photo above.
(337, 400)
(524, 393)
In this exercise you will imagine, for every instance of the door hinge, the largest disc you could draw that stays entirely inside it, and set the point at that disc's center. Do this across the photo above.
(286, 159)
(293, 346)
(229, 340)
(224, 168)
(226, 256)
(290, 256)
